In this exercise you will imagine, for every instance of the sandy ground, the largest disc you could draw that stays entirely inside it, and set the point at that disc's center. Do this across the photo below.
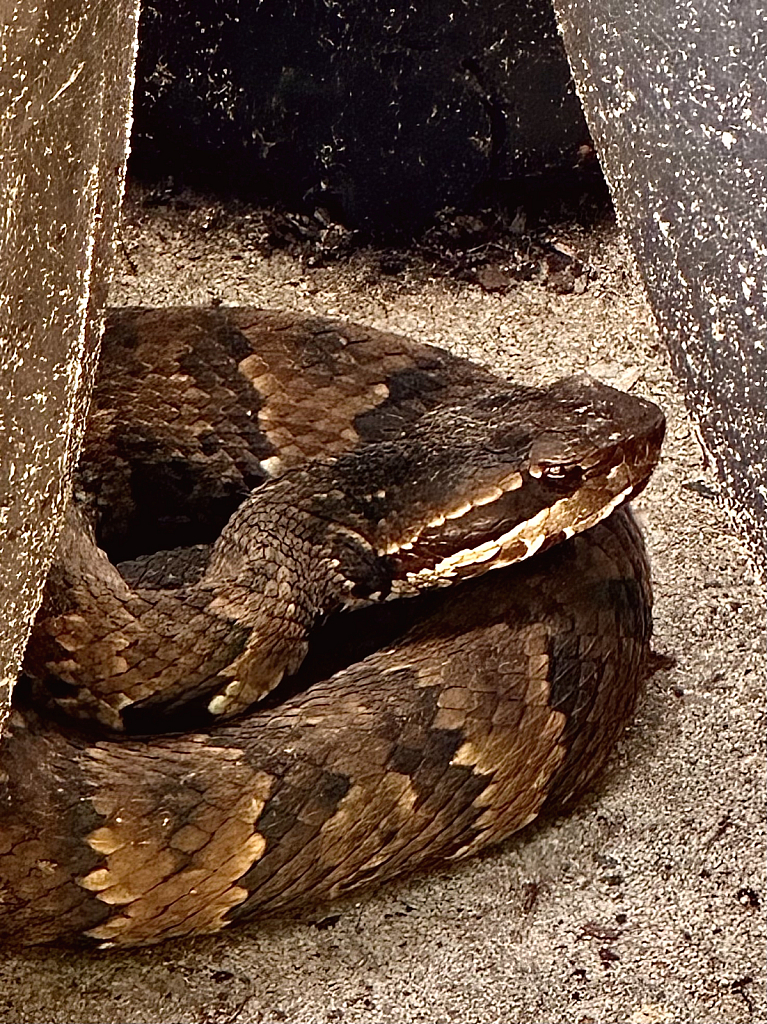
(643, 906)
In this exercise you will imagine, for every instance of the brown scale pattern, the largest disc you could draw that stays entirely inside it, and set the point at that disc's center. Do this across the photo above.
(504, 696)
(432, 750)
(190, 402)
(182, 428)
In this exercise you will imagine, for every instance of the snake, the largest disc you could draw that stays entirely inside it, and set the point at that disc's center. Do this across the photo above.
(329, 606)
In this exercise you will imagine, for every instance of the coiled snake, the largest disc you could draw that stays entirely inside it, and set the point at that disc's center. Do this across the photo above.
(143, 796)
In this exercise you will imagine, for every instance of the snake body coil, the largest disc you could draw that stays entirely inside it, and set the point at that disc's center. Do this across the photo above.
(254, 477)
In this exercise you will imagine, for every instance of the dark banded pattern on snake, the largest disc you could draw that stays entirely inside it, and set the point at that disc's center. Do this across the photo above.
(505, 694)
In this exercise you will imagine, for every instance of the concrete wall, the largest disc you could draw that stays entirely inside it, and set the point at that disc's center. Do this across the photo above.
(66, 74)
(674, 95)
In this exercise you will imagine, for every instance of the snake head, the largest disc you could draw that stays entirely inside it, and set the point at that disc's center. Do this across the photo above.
(492, 482)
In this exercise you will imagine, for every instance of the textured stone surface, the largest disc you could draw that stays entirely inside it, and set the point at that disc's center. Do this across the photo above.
(381, 112)
(678, 115)
(64, 108)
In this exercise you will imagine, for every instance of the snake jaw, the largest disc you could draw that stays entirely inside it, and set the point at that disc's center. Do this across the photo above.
(517, 545)
(508, 483)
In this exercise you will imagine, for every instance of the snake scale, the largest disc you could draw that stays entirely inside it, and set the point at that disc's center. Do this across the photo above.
(226, 714)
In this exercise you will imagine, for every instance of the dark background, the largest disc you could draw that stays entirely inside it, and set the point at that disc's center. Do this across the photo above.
(378, 113)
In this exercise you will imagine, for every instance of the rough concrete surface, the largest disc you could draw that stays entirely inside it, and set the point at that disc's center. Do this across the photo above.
(674, 95)
(66, 72)
(646, 904)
